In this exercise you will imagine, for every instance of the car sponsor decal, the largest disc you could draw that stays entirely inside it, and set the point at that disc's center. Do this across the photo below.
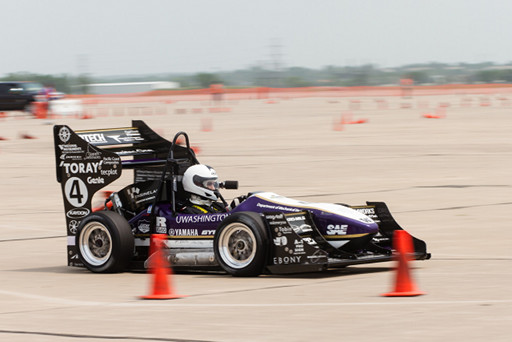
(282, 237)
(161, 225)
(135, 152)
(93, 138)
(76, 192)
(140, 197)
(168, 227)
(337, 229)
(286, 260)
(92, 153)
(112, 136)
(276, 207)
(185, 232)
(299, 246)
(280, 241)
(73, 226)
(86, 167)
(144, 226)
(368, 211)
(77, 213)
(290, 248)
(71, 148)
(64, 134)
(186, 219)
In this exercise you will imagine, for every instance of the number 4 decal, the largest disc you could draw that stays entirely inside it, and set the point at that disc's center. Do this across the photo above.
(76, 192)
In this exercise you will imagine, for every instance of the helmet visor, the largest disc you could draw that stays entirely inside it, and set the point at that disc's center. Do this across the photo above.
(206, 183)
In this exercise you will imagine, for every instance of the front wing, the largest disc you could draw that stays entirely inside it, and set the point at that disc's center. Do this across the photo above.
(297, 245)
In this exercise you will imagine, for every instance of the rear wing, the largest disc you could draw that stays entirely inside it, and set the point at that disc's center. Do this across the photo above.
(142, 149)
(88, 160)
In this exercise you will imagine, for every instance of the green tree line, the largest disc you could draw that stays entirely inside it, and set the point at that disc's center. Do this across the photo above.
(364, 75)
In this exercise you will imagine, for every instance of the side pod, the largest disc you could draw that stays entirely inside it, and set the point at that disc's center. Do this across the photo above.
(294, 249)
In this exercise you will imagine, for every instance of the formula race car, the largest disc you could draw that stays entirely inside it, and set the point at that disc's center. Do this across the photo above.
(260, 232)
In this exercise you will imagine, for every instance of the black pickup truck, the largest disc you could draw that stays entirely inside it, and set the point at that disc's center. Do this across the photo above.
(18, 95)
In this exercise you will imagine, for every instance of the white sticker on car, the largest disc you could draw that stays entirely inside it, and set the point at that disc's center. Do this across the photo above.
(76, 192)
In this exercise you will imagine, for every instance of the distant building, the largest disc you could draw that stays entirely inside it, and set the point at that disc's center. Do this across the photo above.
(129, 87)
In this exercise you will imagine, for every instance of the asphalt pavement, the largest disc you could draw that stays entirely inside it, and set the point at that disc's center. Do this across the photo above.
(447, 181)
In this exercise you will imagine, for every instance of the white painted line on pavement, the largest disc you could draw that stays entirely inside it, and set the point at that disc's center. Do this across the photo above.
(137, 302)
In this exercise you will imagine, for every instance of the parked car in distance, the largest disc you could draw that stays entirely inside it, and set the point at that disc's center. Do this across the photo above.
(18, 95)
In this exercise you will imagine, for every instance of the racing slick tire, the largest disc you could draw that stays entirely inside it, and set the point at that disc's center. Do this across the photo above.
(105, 242)
(241, 244)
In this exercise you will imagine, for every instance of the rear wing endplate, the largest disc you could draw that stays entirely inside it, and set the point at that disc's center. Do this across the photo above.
(88, 160)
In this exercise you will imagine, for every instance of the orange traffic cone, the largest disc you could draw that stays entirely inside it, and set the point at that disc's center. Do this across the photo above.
(160, 268)
(432, 116)
(206, 124)
(104, 196)
(41, 109)
(360, 121)
(347, 119)
(196, 149)
(86, 116)
(404, 284)
(337, 125)
(24, 135)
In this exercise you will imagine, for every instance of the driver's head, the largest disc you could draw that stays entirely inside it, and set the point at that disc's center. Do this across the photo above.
(201, 180)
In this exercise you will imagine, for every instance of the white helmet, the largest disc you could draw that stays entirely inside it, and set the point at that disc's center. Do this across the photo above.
(201, 180)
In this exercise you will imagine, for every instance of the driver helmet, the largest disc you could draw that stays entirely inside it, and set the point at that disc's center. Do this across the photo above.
(201, 180)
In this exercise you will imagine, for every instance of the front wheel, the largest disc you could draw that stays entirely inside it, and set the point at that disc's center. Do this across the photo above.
(105, 242)
(240, 244)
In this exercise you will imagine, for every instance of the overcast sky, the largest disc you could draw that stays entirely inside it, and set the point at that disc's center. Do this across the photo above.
(117, 37)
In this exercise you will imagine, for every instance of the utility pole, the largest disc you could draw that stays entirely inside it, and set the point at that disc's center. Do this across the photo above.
(276, 61)
(83, 79)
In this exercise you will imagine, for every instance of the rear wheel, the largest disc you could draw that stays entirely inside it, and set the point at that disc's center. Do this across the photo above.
(105, 242)
(240, 244)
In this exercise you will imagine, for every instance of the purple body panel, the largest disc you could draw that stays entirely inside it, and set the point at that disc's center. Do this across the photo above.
(323, 219)
(204, 225)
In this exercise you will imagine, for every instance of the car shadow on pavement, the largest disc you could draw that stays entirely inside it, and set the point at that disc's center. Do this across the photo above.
(330, 273)
(52, 269)
(335, 272)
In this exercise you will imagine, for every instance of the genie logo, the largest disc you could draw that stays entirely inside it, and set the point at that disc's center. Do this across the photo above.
(77, 213)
